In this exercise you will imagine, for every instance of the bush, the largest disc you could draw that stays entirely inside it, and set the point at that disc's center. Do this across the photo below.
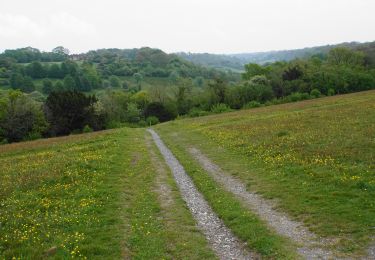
(87, 129)
(47, 86)
(142, 123)
(160, 111)
(297, 96)
(133, 113)
(315, 93)
(305, 96)
(152, 120)
(113, 124)
(331, 92)
(252, 104)
(21, 117)
(196, 112)
(4, 82)
(276, 101)
(76, 132)
(32, 136)
(220, 108)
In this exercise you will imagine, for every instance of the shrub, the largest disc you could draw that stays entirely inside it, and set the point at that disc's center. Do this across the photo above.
(32, 136)
(113, 124)
(133, 113)
(114, 82)
(142, 123)
(252, 104)
(160, 111)
(315, 93)
(196, 112)
(220, 108)
(152, 120)
(76, 132)
(20, 117)
(276, 101)
(305, 96)
(87, 129)
(295, 97)
(331, 92)
(47, 86)
(4, 82)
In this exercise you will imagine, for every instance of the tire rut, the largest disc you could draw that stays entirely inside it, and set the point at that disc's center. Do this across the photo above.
(163, 190)
(220, 238)
(309, 245)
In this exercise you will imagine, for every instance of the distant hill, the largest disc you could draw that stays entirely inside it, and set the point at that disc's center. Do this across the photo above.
(237, 61)
(30, 69)
(213, 60)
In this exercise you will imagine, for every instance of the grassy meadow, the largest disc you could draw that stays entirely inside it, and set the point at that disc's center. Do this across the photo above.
(314, 158)
(90, 196)
(110, 195)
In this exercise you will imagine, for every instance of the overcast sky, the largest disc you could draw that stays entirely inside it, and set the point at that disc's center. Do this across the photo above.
(215, 26)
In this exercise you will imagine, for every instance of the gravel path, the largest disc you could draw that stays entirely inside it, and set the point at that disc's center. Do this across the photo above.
(370, 253)
(221, 239)
(309, 245)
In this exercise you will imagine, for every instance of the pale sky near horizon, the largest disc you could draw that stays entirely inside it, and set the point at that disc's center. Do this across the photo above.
(214, 26)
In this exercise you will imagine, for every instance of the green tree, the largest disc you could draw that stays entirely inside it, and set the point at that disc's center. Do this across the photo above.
(28, 85)
(23, 118)
(69, 83)
(55, 72)
(174, 77)
(199, 82)
(16, 80)
(346, 57)
(160, 111)
(35, 70)
(59, 86)
(92, 76)
(133, 113)
(69, 110)
(184, 104)
(252, 70)
(61, 51)
(115, 82)
(138, 77)
(114, 104)
(217, 90)
(47, 86)
(141, 98)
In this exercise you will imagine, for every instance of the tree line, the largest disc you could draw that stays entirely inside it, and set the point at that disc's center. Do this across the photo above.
(67, 109)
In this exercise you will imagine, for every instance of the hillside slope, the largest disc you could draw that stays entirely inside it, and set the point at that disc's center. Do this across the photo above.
(93, 196)
(238, 60)
(314, 158)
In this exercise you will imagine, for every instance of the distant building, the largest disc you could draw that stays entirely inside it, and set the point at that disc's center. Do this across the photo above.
(76, 57)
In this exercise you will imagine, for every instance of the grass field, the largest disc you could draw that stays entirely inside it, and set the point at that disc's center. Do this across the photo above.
(110, 195)
(90, 196)
(315, 158)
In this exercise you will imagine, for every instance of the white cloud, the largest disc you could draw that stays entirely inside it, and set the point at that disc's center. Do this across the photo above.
(68, 23)
(219, 26)
(21, 26)
(15, 25)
